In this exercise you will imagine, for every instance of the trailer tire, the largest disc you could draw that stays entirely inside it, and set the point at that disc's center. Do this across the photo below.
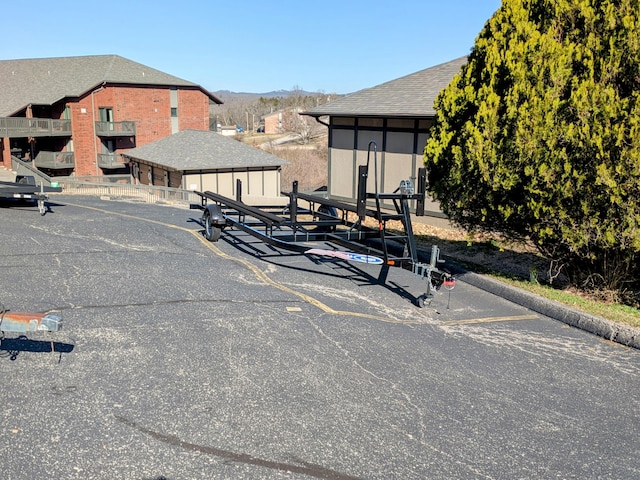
(211, 231)
(330, 211)
(327, 210)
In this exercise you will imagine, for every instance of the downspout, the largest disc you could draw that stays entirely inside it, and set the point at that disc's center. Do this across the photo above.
(321, 122)
(328, 153)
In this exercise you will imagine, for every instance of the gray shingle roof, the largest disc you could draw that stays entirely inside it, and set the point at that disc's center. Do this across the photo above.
(45, 81)
(203, 150)
(409, 96)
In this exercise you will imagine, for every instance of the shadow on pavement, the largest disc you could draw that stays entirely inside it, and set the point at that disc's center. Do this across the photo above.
(12, 347)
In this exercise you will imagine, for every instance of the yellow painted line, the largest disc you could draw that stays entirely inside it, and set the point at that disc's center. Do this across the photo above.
(294, 309)
(473, 321)
(257, 272)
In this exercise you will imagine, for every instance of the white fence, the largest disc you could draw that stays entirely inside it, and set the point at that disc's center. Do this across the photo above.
(114, 186)
(143, 193)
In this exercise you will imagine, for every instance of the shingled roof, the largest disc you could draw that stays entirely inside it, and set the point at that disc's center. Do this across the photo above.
(409, 96)
(45, 81)
(191, 150)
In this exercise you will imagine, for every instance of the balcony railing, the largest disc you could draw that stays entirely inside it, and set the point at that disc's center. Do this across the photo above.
(110, 160)
(15, 127)
(55, 160)
(116, 129)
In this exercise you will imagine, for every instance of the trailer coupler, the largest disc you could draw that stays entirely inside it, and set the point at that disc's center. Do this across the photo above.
(434, 277)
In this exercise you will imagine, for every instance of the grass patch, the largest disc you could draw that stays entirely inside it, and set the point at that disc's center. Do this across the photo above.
(618, 313)
(518, 266)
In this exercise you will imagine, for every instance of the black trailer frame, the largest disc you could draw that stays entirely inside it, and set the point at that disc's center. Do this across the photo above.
(25, 188)
(309, 218)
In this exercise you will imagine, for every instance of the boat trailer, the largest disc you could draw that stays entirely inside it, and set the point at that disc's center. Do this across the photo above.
(361, 228)
(25, 188)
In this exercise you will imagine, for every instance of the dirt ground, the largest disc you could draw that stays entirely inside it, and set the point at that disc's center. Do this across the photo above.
(483, 252)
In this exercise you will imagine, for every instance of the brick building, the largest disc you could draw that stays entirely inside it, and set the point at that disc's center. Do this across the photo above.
(77, 115)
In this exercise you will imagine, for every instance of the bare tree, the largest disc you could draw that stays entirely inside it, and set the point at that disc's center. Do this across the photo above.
(247, 111)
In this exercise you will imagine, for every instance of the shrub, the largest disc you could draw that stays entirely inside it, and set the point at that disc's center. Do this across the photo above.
(538, 136)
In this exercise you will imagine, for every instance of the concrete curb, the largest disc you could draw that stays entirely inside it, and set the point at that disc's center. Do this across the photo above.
(623, 334)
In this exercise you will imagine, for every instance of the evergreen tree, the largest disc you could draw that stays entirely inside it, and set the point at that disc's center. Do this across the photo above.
(538, 136)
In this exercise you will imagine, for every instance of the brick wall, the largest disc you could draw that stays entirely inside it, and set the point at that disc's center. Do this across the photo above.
(148, 107)
(84, 146)
(193, 110)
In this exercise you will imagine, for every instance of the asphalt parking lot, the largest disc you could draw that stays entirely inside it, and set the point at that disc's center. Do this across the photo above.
(181, 359)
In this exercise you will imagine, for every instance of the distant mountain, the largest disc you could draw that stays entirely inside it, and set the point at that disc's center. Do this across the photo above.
(226, 95)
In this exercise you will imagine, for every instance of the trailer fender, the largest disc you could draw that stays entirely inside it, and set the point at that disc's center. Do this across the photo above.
(214, 211)
(214, 222)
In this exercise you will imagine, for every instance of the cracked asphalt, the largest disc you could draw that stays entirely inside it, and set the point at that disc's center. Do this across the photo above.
(181, 359)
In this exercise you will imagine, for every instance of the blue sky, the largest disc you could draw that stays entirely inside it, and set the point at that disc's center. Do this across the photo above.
(325, 46)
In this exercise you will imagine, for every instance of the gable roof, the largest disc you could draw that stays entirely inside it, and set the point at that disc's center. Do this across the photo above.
(45, 81)
(409, 96)
(197, 150)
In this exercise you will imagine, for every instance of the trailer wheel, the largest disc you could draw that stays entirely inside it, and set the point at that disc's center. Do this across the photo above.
(327, 210)
(330, 211)
(211, 232)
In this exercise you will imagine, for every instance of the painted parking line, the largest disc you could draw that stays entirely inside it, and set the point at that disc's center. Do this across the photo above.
(473, 321)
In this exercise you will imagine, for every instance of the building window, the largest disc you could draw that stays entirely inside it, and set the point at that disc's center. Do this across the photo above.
(401, 123)
(425, 125)
(174, 112)
(343, 121)
(106, 114)
(370, 122)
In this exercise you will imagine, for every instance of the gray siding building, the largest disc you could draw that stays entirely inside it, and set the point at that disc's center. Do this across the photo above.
(200, 160)
(396, 115)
